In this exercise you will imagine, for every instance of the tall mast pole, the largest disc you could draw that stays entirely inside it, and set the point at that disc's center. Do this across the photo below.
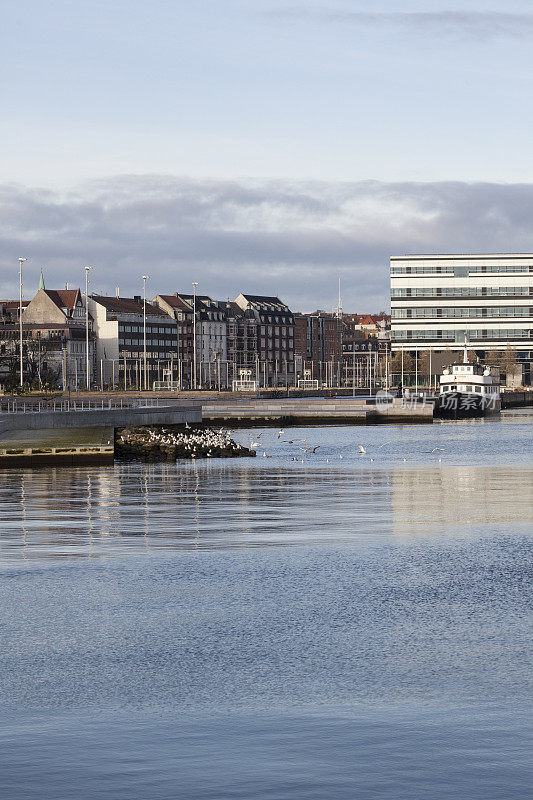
(195, 284)
(21, 262)
(87, 361)
(144, 330)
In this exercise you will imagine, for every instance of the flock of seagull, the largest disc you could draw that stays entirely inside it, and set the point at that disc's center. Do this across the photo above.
(196, 442)
(312, 449)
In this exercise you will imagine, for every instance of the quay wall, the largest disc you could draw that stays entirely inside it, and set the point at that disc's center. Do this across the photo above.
(107, 417)
(318, 412)
(516, 399)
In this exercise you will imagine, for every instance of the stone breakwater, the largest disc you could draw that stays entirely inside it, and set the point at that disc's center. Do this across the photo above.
(157, 443)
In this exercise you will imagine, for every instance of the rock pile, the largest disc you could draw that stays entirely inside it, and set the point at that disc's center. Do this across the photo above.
(157, 443)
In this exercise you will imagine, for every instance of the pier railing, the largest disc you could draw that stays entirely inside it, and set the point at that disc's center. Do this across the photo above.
(29, 406)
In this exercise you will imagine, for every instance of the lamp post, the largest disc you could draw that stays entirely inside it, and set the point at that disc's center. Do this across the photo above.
(194, 285)
(145, 277)
(87, 362)
(21, 262)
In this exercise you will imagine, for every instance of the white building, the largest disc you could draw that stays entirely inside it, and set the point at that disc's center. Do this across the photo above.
(120, 339)
(438, 300)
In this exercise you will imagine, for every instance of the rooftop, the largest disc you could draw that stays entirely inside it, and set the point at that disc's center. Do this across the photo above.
(127, 305)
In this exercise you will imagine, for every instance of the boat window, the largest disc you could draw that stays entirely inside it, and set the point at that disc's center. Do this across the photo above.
(478, 388)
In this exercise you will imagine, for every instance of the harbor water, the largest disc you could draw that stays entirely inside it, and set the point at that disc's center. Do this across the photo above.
(295, 626)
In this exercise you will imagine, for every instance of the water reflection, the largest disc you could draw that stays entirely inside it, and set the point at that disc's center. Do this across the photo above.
(227, 505)
(454, 500)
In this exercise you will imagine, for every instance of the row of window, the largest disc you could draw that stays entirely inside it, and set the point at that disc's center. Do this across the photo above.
(77, 347)
(276, 344)
(168, 330)
(490, 333)
(127, 342)
(272, 356)
(274, 329)
(458, 311)
(459, 270)
(154, 354)
(274, 320)
(470, 388)
(464, 291)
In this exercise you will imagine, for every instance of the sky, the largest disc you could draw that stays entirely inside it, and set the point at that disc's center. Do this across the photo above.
(260, 146)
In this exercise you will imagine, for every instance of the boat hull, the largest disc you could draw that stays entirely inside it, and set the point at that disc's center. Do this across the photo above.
(465, 405)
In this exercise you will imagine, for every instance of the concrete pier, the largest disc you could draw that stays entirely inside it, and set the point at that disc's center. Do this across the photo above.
(319, 411)
(104, 416)
(57, 446)
(68, 434)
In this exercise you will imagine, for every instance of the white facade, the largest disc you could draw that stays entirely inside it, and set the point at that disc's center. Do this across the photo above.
(437, 300)
(211, 340)
(119, 328)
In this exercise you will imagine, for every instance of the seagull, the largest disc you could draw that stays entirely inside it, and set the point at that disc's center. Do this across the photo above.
(384, 443)
(310, 449)
(437, 448)
(279, 433)
(341, 456)
(361, 449)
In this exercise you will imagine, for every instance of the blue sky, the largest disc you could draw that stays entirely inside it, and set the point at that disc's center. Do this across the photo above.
(317, 137)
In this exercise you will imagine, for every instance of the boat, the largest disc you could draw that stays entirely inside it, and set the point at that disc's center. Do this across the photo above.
(468, 389)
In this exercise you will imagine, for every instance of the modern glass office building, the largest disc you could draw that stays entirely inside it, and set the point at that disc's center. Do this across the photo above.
(438, 300)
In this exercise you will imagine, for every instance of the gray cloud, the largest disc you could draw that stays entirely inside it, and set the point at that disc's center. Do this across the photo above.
(274, 237)
(460, 24)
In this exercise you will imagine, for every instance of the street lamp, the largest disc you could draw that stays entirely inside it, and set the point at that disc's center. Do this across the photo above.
(21, 262)
(87, 362)
(145, 278)
(194, 285)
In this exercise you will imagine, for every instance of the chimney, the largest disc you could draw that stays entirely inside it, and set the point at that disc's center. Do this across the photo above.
(66, 286)
(117, 291)
(137, 298)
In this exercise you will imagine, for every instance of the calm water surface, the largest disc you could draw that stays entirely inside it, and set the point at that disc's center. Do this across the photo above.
(267, 628)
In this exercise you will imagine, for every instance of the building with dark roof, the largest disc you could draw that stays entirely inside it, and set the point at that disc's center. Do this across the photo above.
(211, 344)
(181, 311)
(241, 338)
(275, 338)
(119, 324)
(54, 337)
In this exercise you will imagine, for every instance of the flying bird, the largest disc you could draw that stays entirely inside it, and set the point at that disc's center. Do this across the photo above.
(361, 449)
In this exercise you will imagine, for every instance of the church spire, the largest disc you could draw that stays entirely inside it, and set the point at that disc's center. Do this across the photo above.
(41, 281)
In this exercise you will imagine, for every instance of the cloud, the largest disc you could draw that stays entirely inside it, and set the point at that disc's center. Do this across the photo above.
(458, 24)
(273, 237)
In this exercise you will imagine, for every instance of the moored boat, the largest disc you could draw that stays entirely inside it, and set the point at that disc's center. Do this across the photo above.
(468, 390)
